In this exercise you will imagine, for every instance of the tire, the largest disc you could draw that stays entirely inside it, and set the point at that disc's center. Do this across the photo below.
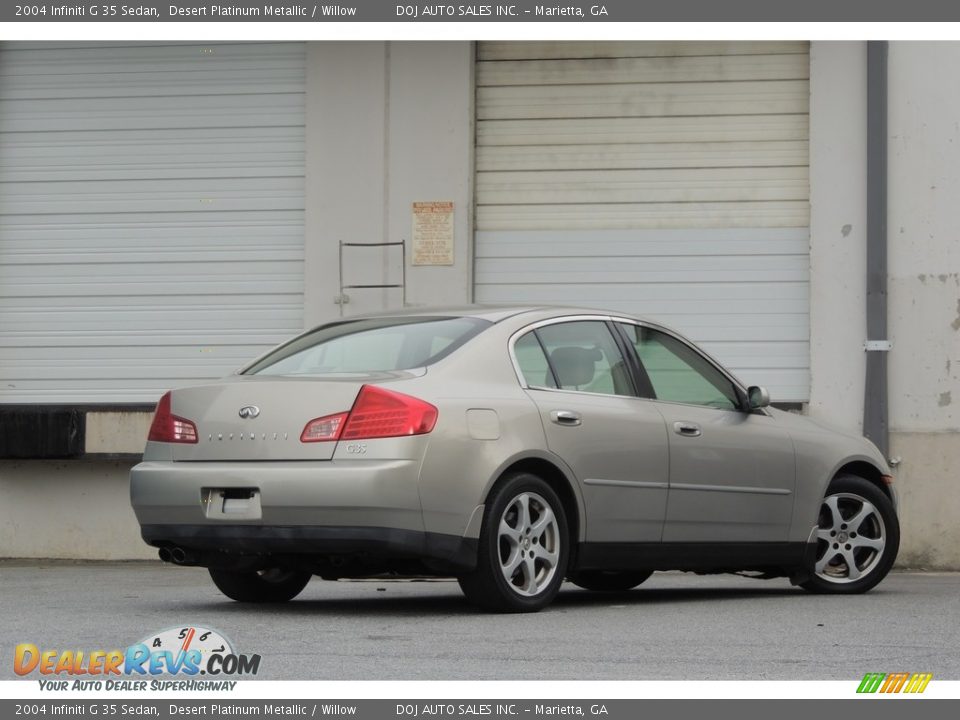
(523, 548)
(604, 581)
(274, 585)
(857, 539)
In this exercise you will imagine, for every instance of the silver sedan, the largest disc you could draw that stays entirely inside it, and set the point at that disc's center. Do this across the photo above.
(511, 448)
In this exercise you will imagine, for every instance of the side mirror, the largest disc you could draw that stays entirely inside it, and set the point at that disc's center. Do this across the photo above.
(758, 397)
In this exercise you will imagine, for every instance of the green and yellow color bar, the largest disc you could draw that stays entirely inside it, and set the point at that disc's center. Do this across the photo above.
(895, 682)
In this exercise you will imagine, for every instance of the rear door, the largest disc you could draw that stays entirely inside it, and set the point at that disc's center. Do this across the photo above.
(732, 475)
(615, 443)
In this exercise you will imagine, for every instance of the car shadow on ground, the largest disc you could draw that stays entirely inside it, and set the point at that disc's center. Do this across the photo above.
(573, 597)
(429, 602)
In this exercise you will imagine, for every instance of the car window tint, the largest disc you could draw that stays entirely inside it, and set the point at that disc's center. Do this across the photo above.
(371, 345)
(678, 373)
(532, 362)
(584, 356)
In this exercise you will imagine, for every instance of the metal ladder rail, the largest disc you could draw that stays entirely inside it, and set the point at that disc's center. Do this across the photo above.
(343, 298)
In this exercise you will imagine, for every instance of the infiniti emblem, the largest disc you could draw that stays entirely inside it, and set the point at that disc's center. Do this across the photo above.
(249, 411)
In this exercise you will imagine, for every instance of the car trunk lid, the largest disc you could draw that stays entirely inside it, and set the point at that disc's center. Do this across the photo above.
(261, 418)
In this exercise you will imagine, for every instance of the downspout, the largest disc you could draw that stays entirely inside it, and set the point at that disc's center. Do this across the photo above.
(875, 405)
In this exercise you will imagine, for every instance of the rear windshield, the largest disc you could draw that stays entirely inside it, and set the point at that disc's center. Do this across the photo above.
(373, 345)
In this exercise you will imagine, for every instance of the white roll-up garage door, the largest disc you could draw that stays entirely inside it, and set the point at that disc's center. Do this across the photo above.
(151, 214)
(666, 179)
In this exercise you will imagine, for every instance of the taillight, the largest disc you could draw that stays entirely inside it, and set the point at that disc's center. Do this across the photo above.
(323, 429)
(376, 413)
(167, 427)
(385, 413)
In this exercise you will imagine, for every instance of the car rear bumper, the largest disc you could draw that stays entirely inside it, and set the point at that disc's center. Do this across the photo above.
(355, 493)
(323, 508)
(455, 552)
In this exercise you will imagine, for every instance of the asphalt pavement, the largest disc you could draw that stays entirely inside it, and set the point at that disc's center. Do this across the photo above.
(674, 627)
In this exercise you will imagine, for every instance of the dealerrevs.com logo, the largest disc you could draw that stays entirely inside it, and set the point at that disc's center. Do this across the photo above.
(188, 652)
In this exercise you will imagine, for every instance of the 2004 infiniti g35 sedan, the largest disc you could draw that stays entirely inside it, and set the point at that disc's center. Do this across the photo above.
(512, 448)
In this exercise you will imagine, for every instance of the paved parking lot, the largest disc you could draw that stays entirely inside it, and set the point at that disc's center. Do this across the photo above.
(676, 626)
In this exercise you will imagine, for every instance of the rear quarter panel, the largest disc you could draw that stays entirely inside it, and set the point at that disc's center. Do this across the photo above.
(485, 420)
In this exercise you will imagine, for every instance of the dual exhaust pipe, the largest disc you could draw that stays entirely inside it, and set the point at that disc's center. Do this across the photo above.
(178, 556)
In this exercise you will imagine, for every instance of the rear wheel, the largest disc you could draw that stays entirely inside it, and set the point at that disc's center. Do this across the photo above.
(273, 585)
(523, 548)
(858, 536)
(604, 581)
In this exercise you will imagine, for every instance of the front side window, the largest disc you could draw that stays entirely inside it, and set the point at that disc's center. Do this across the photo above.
(583, 356)
(678, 373)
(371, 345)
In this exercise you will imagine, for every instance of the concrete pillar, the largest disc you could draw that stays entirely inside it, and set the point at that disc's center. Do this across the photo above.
(431, 133)
(346, 113)
(838, 231)
(388, 124)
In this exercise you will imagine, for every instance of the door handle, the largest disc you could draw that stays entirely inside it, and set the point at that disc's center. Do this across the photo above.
(687, 429)
(565, 417)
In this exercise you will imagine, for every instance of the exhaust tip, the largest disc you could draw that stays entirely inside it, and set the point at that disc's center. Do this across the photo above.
(178, 555)
(165, 555)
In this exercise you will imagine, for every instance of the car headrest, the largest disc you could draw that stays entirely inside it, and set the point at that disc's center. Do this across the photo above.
(574, 366)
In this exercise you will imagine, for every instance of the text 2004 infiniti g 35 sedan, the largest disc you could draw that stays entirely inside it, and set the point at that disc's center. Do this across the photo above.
(511, 448)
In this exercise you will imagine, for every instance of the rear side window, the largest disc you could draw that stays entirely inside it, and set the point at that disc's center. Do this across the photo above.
(583, 356)
(533, 363)
(371, 345)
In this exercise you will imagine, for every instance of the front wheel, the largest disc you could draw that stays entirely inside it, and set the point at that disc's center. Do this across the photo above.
(858, 537)
(273, 585)
(523, 547)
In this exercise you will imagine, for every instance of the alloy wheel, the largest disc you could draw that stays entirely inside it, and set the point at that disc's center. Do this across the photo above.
(528, 544)
(851, 537)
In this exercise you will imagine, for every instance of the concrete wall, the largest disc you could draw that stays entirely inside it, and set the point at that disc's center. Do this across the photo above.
(924, 295)
(924, 273)
(75, 509)
(924, 268)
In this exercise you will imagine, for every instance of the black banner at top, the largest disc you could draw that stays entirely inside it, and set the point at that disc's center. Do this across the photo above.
(508, 11)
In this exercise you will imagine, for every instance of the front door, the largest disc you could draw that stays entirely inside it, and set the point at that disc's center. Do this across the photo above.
(732, 472)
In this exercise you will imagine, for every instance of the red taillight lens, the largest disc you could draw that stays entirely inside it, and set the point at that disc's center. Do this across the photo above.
(384, 413)
(324, 429)
(376, 413)
(167, 427)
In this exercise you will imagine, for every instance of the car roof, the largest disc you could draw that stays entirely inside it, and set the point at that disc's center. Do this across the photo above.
(492, 313)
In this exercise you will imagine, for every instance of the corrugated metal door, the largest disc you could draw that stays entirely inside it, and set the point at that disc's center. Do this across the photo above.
(664, 179)
(151, 214)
